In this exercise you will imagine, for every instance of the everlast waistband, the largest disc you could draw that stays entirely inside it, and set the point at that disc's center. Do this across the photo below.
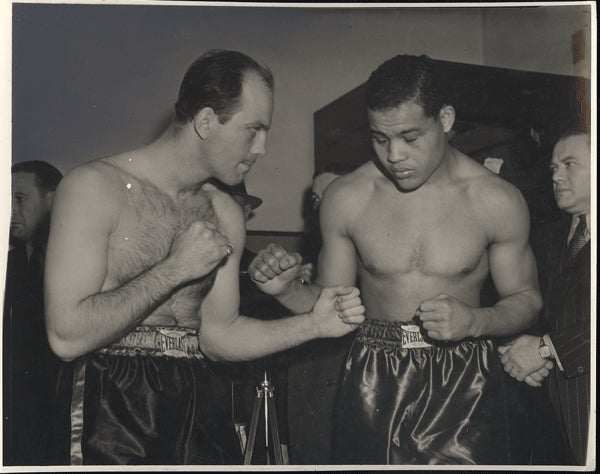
(157, 341)
(398, 334)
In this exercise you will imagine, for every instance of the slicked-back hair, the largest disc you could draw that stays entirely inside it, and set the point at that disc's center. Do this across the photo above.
(406, 78)
(47, 176)
(216, 80)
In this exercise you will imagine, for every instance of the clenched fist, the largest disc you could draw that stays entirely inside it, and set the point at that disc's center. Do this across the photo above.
(338, 311)
(274, 269)
(199, 248)
(446, 318)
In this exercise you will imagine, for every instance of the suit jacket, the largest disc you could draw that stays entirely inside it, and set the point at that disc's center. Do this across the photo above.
(567, 316)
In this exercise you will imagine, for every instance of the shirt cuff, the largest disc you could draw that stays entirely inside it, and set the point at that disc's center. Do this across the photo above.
(548, 342)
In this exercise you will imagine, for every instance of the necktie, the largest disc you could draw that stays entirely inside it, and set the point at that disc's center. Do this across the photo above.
(578, 240)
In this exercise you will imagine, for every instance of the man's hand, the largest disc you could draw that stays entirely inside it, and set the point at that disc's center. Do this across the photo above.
(338, 311)
(446, 319)
(535, 379)
(521, 359)
(199, 248)
(274, 269)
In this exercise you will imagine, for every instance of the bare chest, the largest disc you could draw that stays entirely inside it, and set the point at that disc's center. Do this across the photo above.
(147, 224)
(439, 240)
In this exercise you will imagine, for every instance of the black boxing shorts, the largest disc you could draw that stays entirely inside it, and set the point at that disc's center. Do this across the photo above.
(151, 399)
(407, 400)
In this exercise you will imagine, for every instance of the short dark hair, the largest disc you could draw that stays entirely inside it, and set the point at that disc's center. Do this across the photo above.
(215, 80)
(574, 127)
(47, 176)
(407, 78)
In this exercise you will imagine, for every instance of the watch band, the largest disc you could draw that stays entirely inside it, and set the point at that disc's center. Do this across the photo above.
(544, 350)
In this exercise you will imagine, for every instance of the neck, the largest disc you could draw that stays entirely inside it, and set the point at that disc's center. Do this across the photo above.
(173, 162)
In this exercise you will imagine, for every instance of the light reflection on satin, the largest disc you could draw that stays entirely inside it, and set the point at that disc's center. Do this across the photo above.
(438, 405)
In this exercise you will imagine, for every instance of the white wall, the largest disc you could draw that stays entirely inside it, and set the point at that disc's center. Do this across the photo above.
(93, 80)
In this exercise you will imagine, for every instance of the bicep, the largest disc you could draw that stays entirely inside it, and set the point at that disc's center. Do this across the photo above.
(337, 258)
(512, 263)
(221, 305)
(76, 259)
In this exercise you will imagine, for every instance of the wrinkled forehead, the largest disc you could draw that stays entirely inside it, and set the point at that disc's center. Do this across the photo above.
(574, 146)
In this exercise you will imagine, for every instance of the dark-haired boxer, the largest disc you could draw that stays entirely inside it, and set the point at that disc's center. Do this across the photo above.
(142, 278)
(420, 228)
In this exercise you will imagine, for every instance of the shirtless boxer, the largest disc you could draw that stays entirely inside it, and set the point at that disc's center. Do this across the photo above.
(142, 278)
(420, 228)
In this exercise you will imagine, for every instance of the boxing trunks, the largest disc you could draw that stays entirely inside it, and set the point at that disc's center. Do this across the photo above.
(407, 400)
(151, 399)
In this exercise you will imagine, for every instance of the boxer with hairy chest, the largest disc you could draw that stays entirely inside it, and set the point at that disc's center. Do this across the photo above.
(142, 278)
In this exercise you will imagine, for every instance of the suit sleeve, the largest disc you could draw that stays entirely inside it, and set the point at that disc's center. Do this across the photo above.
(572, 344)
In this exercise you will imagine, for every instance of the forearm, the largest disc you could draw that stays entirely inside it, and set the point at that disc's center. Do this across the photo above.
(102, 318)
(299, 298)
(248, 338)
(511, 315)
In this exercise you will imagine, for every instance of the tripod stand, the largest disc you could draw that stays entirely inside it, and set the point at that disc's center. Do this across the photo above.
(264, 393)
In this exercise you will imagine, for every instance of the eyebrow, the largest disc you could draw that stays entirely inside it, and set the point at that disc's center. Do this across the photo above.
(402, 132)
(259, 124)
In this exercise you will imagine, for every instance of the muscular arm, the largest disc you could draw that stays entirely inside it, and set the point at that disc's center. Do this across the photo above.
(512, 267)
(82, 315)
(337, 260)
(226, 335)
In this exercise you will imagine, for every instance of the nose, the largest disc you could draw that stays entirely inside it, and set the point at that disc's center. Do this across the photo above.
(396, 152)
(558, 175)
(259, 147)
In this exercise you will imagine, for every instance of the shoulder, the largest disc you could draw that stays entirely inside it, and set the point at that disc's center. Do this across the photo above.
(499, 205)
(351, 189)
(489, 191)
(229, 213)
(95, 177)
(88, 190)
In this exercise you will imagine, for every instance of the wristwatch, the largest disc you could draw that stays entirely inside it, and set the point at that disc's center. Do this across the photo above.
(544, 350)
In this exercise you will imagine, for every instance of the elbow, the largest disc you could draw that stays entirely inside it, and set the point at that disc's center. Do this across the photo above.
(213, 344)
(62, 342)
(211, 348)
(64, 349)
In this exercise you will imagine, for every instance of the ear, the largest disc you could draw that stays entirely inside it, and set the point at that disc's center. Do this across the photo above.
(203, 122)
(447, 116)
(49, 197)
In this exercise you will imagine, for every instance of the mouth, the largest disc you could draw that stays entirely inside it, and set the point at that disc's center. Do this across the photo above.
(246, 166)
(402, 173)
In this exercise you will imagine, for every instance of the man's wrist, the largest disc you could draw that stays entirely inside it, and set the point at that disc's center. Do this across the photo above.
(478, 325)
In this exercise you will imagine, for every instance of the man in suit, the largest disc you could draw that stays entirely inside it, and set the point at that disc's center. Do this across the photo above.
(30, 369)
(567, 296)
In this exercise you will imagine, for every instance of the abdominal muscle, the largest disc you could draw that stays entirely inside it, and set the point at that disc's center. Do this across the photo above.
(398, 297)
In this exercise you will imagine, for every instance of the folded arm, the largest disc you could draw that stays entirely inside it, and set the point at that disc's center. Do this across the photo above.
(83, 313)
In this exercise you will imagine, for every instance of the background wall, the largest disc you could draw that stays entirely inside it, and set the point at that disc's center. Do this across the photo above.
(92, 80)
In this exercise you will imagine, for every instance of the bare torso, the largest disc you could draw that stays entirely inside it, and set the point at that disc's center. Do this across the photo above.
(147, 221)
(413, 246)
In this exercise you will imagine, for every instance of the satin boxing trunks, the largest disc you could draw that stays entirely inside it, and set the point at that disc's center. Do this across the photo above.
(405, 401)
(151, 399)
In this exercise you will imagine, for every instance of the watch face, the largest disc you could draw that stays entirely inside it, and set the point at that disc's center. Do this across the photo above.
(545, 352)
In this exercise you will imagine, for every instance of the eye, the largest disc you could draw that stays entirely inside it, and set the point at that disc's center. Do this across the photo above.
(381, 140)
(410, 139)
